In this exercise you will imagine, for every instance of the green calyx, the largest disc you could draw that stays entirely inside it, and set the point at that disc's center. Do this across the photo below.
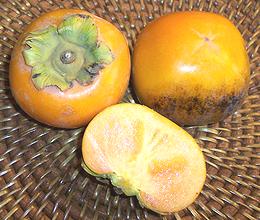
(71, 51)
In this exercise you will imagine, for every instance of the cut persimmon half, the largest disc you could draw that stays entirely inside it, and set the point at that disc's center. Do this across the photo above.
(145, 155)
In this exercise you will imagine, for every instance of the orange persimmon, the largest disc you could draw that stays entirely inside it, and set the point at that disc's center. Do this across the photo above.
(146, 155)
(192, 67)
(67, 66)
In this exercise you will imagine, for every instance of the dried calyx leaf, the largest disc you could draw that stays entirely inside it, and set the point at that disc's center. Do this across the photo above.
(71, 51)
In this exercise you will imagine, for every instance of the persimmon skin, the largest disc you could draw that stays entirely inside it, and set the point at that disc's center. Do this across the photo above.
(76, 106)
(146, 155)
(192, 67)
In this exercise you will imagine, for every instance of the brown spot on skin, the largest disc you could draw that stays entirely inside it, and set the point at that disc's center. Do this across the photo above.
(68, 110)
(234, 101)
(82, 16)
(196, 110)
(166, 103)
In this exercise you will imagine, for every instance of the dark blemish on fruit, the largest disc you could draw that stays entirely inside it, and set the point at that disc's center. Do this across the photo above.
(197, 107)
(191, 104)
(68, 110)
(226, 104)
(35, 75)
(82, 16)
(206, 39)
(164, 105)
(233, 102)
(94, 69)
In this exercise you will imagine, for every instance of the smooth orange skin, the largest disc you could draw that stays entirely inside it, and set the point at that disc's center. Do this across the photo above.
(156, 160)
(192, 67)
(76, 106)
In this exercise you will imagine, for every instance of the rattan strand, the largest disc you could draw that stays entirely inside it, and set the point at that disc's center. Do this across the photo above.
(40, 174)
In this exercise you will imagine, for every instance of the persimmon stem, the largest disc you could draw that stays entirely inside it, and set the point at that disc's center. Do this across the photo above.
(67, 57)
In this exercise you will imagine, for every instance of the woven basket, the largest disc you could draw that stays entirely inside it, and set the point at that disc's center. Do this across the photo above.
(40, 172)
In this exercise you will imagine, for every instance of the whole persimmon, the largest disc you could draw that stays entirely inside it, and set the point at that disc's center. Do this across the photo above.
(67, 66)
(146, 155)
(192, 67)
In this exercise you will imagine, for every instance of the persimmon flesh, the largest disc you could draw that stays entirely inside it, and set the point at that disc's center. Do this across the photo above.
(192, 67)
(145, 155)
(67, 66)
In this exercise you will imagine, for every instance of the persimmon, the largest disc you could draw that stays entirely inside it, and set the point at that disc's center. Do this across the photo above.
(146, 155)
(192, 67)
(67, 66)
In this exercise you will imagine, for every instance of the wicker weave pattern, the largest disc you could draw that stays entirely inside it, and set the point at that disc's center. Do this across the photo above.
(40, 174)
